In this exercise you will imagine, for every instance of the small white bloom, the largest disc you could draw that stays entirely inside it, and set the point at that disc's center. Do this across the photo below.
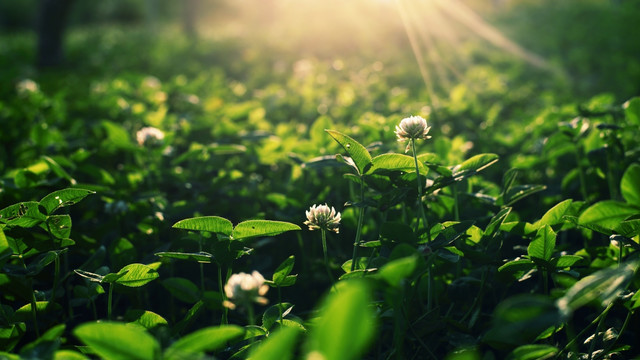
(323, 217)
(27, 86)
(243, 289)
(149, 136)
(414, 127)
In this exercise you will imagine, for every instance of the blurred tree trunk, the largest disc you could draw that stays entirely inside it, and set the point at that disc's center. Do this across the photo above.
(189, 17)
(52, 21)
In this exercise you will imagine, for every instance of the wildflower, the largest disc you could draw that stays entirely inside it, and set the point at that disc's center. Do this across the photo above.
(323, 217)
(27, 86)
(243, 289)
(149, 136)
(412, 128)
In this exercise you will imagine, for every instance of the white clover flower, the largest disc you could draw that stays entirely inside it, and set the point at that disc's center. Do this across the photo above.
(149, 136)
(243, 289)
(323, 217)
(414, 127)
(27, 86)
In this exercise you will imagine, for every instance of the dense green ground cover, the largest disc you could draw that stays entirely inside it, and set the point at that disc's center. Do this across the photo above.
(524, 243)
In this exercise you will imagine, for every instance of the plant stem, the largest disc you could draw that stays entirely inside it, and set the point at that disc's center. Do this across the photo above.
(250, 314)
(326, 258)
(109, 301)
(280, 303)
(56, 278)
(419, 186)
(222, 293)
(575, 338)
(456, 209)
(354, 258)
(583, 182)
(202, 267)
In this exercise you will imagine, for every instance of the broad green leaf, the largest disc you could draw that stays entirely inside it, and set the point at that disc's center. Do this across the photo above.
(24, 313)
(518, 266)
(356, 151)
(533, 352)
(201, 257)
(189, 317)
(207, 339)
(632, 110)
(555, 214)
(68, 355)
(474, 164)
(278, 346)
(520, 320)
(214, 224)
(517, 193)
(396, 162)
(117, 136)
(496, 222)
(397, 270)
(147, 319)
(603, 285)
(136, 275)
(607, 214)
(58, 170)
(45, 345)
(182, 289)
(10, 335)
(542, 246)
(59, 226)
(273, 314)
(629, 228)
(5, 249)
(118, 341)
(346, 324)
(62, 198)
(630, 185)
(565, 261)
(24, 214)
(521, 228)
(252, 228)
(283, 270)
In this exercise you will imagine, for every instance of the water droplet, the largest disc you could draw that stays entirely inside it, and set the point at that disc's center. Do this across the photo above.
(348, 146)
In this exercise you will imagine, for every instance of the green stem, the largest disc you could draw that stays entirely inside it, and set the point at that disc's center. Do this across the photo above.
(223, 294)
(326, 258)
(419, 186)
(613, 192)
(56, 278)
(280, 303)
(354, 258)
(109, 301)
(456, 209)
(202, 267)
(583, 181)
(596, 336)
(586, 328)
(34, 305)
(250, 314)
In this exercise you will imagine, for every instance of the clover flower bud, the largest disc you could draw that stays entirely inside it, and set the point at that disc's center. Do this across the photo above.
(149, 136)
(243, 289)
(323, 217)
(414, 127)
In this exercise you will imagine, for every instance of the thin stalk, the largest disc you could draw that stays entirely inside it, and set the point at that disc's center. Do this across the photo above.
(456, 208)
(56, 278)
(222, 293)
(250, 314)
(622, 329)
(613, 192)
(34, 305)
(419, 186)
(280, 303)
(596, 336)
(359, 227)
(575, 338)
(326, 258)
(202, 267)
(583, 181)
(109, 301)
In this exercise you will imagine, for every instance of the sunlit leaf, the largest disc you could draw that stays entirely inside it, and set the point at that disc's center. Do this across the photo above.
(474, 164)
(533, 352)
(519, 192)
(397, 270)
(214, 224)
(136, 275)
(24, 214)
(201, 257)
(273, 314)
(62, 198)
(346, 324)
(543, 245)
(147, 319)
(632, 110)
(182, 289)
(283, 270)
(607, 214)
(278, 346)
(118, 341)
(253, 228)
(356, 151)
(58, 170)
(396, 162)
(207, 339)
(554, 215)
(630, 185)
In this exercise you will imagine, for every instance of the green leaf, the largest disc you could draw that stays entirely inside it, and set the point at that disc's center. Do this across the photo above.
(68, 355)
(356, 151)
(542, 246)
(555, 214)
(62, 198)
(517, 267)
(252, 228)
(58, 170)
(118, 341)
(607, 214)
(182, 289)
(346, 324)
(496, 222)
(629, 228)
(521, 228)
(145, 318)
(533, 352)
(632, 110)
(214, 224)
(136, 275)
(396, 162)
(603, 285)
(24, 214)
(397, 270)
(59, 226)
(201, 257)
(89, 275)
(283, 270)
(278, 346)
(517, 193)
(10, 335)
(273, 313)
(630, 185)
(208, 339)
(474, 165)
(566, 261)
